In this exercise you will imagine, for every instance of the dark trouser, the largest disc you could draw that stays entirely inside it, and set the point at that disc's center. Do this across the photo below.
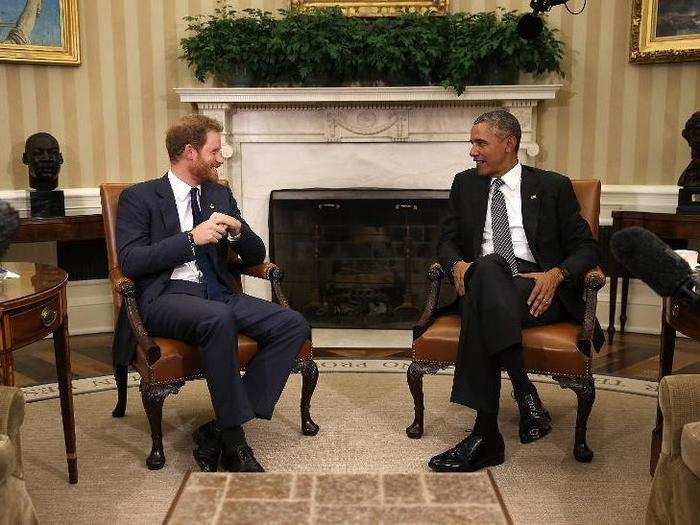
(182, 313)
(494, 311)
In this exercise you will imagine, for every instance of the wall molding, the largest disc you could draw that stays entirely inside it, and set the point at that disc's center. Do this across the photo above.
(659, 198)
(90, 302)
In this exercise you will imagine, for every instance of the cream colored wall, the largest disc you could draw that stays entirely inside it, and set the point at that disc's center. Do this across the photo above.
(613, 120)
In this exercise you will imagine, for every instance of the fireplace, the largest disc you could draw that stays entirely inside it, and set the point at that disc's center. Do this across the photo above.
(357, 258)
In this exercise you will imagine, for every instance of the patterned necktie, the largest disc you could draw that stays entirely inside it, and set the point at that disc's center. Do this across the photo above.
(203, 256)
(502, 241)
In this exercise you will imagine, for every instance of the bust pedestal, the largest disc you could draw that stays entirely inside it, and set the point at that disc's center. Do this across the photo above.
(47, 203)
(688, 199)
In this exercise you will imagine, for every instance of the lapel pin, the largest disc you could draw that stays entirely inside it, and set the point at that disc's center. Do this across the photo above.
(211, 206)
(532, 197)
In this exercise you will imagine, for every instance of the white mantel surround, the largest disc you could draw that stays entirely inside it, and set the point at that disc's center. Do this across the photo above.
(352, 137)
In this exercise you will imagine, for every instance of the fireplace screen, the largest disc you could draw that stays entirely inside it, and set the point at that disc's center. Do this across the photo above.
(357, 258)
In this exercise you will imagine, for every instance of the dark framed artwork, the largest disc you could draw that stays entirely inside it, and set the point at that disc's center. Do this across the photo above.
(665, 31)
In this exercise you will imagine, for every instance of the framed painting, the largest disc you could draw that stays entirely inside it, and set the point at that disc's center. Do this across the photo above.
(376, 8)
(665, 31)
(40, 31)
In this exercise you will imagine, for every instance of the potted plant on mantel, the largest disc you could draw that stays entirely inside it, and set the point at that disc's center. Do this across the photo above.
(323, 47)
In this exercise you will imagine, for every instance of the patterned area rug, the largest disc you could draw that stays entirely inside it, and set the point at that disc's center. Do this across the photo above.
(390, 366)
(362, 418)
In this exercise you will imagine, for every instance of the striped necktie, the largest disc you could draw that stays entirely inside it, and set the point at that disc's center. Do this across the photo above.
(502, 241)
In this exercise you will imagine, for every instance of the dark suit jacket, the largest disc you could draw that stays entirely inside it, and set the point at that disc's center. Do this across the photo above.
(150, 245)
(555, 231)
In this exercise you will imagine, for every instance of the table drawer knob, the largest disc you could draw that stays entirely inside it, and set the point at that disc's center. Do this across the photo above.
(48, 316)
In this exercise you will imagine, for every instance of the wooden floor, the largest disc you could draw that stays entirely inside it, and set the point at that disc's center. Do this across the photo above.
(631, 355)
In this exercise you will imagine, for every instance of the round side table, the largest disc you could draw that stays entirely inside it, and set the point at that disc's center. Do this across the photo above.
(32, 307)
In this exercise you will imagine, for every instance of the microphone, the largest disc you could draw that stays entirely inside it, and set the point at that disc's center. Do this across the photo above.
(530, 25)
(9, 224)
(654, 262)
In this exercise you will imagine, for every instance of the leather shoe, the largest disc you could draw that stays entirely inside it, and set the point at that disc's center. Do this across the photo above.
(535, 422)
(240, 459)
(471, 454)
(208, 441)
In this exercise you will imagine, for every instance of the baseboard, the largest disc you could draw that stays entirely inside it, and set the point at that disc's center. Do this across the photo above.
(90, 309)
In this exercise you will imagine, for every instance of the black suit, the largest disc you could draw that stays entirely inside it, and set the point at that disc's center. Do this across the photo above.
(493, 309)
(150, 245)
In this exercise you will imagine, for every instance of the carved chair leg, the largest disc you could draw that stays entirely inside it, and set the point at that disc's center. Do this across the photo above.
(309, 378)
(585, 393)
(121, 373)
(414, 377)
(153, 397)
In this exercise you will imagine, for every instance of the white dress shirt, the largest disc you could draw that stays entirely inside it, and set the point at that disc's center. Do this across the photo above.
(512, 197)
(181, 190)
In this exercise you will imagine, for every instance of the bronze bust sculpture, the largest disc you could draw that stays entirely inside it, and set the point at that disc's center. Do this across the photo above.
(689, 182)
(43, 156)
(691, 133)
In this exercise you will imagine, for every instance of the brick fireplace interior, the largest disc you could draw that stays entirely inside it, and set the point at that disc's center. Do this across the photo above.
(357, 258)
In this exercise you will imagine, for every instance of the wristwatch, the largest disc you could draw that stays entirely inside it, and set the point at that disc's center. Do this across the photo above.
(193, 245)
(564, 272)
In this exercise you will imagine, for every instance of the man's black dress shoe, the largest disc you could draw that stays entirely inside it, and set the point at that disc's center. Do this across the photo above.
(535, 422)
(471, 454)
(240, 459)
(208, 441)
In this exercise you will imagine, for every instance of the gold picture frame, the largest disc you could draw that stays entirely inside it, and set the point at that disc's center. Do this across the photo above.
(376, 8)
(661, 31)
(55, 24)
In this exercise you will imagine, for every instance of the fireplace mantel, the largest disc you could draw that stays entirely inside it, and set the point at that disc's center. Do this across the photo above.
(315, 96)
(346, 137)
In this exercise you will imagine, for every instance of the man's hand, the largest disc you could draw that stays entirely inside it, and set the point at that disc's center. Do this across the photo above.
(546, 284)
(233, 225)
(458, 271)
(208, 232)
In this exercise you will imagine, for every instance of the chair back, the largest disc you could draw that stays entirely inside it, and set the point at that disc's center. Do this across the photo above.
(588, 196)
(109, 197)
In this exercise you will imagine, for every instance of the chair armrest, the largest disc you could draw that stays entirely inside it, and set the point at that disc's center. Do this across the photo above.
(8, 462)
(11, 410)
(147, 349)
(121, 283)
(268, 271)
(435, 276)
(593, 280)
(679, 399)
(11, 417)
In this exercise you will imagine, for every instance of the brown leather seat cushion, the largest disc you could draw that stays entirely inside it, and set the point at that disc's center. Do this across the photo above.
(549, 349)
(179, 360)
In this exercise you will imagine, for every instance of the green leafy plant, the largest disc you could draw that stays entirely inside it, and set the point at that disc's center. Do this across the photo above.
(323, 47)
(227, 46)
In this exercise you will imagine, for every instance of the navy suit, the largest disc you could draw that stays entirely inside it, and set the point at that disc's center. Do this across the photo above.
(150, 244)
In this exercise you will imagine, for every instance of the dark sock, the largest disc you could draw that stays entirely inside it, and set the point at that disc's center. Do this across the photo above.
(486, 424)
(511, 359)
(232, 437)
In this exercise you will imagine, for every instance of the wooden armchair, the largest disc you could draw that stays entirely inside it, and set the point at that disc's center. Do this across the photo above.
(562, 350)
(165, 364)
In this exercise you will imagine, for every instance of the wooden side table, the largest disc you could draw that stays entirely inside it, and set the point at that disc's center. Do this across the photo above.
(665, 225)
(678, 316)
(68, 228)
(31, 308)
